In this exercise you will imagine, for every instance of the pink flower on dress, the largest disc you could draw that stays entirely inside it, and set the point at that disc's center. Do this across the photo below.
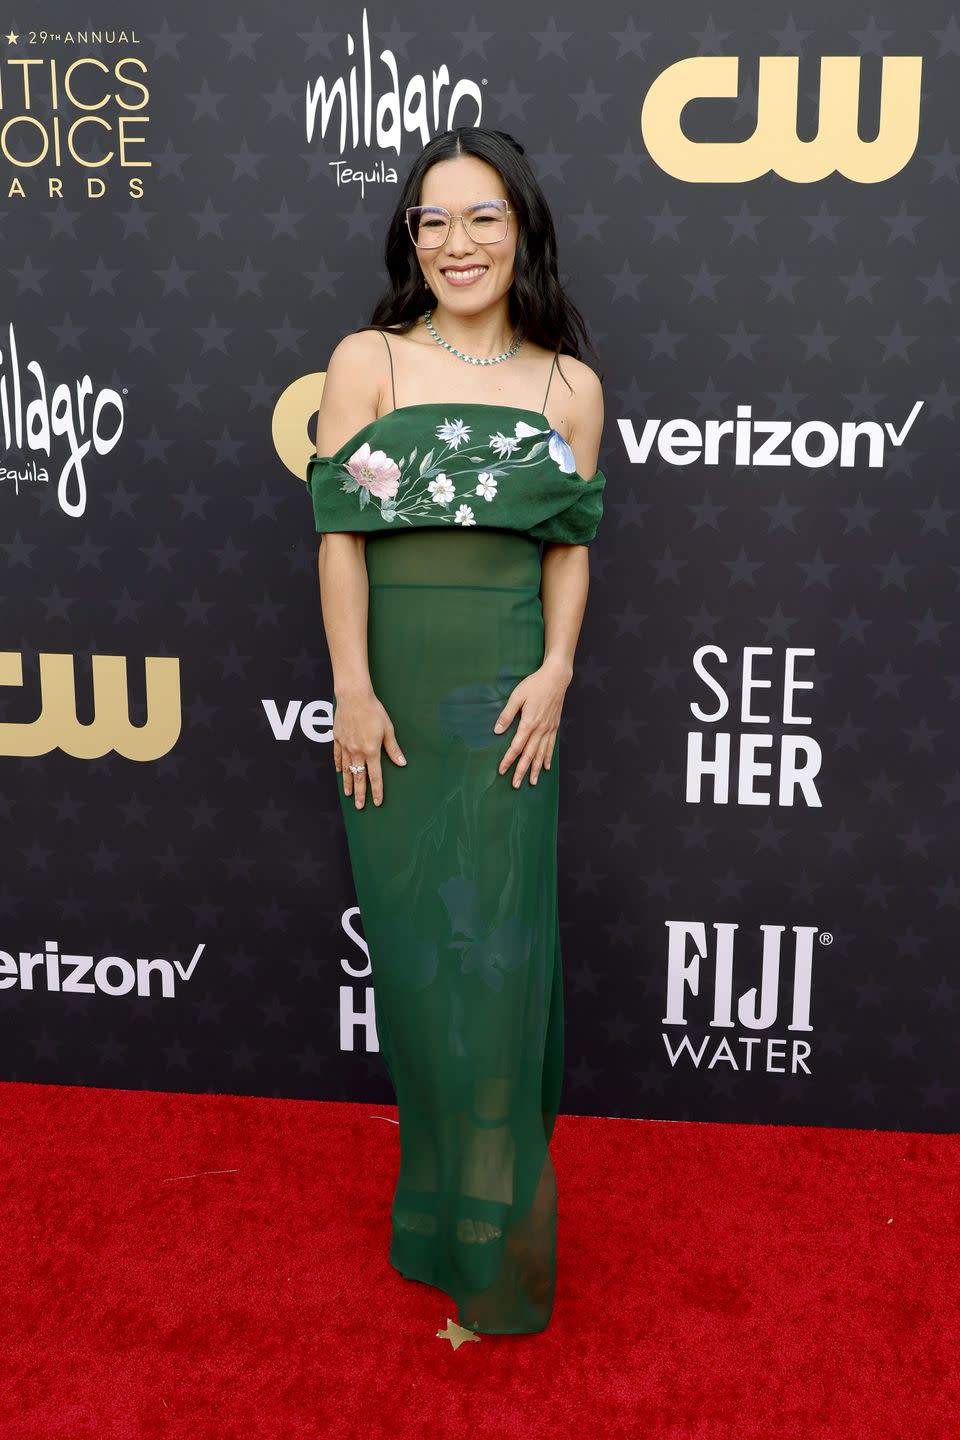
(375, 471)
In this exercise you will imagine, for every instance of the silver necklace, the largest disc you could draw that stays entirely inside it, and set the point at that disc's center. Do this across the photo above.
(472, 359)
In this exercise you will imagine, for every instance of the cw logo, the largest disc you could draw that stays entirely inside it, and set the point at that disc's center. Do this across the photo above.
(775, 144)
(58, 728)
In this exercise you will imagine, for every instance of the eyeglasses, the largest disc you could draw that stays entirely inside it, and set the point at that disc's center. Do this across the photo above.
(485, 222)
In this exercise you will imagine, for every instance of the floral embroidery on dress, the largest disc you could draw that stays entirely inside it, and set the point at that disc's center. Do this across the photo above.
(441, 490)
(448, 473)
(560, 452)
(375, 471)
(453, 431)
(503, 444)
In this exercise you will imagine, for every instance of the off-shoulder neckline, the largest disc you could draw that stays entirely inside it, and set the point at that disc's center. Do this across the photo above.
(446, 405)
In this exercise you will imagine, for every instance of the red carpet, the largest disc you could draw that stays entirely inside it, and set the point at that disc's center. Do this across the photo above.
(714, 1281)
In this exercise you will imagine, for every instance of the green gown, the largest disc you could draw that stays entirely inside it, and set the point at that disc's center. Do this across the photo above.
(456, 872)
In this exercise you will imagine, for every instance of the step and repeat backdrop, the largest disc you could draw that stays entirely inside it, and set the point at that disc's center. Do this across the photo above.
(759, 863)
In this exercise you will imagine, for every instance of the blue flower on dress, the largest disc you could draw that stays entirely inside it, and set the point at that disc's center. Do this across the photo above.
(454, 432)
(561, 453)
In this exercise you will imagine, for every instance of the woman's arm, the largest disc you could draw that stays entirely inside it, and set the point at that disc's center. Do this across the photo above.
(361, 724)
(565, 570)
(344, 597)
(347, 402)
(564, 582)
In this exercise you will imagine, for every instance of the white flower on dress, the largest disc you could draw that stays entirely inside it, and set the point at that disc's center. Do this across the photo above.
(486, 485)
(503, 444)
(522, 428)
(464, 516)
(441, 490)
(454, 432)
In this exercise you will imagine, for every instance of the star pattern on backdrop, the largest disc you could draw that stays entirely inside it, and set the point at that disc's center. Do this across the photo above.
(236, 272)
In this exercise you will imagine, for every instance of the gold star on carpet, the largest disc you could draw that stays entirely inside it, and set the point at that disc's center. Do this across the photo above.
(455, 1334)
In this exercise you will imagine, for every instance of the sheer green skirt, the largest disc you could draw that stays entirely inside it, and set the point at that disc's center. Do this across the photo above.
(456, 880)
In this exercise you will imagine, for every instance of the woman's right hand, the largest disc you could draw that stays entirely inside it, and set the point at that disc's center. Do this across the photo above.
(361, 726)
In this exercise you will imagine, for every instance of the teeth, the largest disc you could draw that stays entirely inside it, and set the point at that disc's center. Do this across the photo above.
(467, 274)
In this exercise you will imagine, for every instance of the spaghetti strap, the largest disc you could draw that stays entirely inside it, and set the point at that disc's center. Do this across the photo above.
(543, 407)
(390, 355)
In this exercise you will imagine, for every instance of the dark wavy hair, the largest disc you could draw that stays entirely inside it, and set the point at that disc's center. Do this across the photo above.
(538, 305)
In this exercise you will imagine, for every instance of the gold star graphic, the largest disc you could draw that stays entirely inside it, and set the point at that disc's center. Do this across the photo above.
(11, 38)
(455, 1334)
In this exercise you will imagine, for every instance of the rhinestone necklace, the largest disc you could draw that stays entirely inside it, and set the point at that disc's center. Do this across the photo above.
(473, 359)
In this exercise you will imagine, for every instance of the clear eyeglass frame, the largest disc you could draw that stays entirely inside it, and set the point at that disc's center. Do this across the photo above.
(465, 217)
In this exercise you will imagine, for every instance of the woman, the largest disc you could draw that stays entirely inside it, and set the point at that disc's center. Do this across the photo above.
(452, 643)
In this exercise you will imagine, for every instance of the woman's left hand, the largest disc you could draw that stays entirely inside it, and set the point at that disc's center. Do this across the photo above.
(539, 699)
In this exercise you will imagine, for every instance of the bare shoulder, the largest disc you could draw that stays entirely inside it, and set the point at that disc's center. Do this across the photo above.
(357, 351)
(584, 407)
(352, 387)
(586, 392)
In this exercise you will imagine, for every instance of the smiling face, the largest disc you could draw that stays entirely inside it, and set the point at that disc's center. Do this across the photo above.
(465, 274)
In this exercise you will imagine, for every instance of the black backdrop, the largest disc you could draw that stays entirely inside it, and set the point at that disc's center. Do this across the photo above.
(759, 881)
